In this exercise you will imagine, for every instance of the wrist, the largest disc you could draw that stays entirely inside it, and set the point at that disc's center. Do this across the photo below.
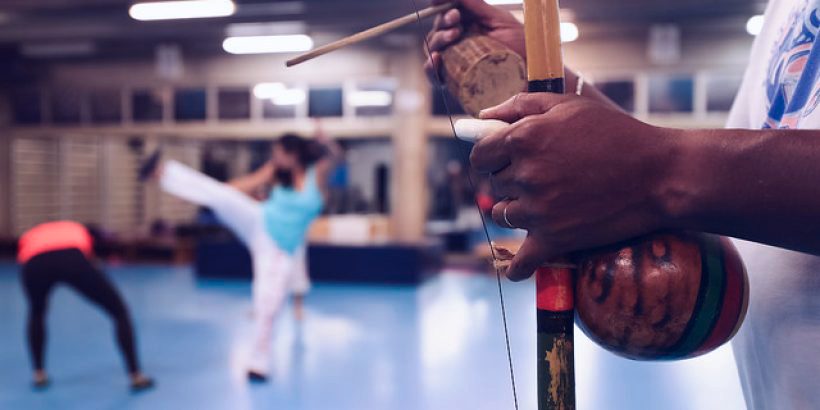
(680, 183)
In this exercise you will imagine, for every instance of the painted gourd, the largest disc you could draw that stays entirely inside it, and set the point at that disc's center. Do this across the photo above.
(668, 296)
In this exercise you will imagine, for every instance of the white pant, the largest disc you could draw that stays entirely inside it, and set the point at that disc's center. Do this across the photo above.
(274, 271)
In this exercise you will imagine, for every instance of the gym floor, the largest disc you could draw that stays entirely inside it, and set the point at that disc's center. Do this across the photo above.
(438, 346)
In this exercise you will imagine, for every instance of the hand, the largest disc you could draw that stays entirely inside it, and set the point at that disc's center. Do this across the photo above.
(494, 22)
(577, 174)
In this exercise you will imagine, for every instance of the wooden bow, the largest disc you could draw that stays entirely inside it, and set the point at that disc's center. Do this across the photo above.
(554, 283)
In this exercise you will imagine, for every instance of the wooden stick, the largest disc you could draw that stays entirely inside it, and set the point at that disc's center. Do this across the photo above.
(370, 33)
(555, 290)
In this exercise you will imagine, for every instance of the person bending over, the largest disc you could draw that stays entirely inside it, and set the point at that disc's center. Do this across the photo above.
(61, 252)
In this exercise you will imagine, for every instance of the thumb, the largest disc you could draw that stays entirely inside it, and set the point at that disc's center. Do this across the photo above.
(523, 105)
(533, 253)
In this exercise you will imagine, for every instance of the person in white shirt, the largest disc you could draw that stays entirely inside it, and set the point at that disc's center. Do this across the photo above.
(580, 173)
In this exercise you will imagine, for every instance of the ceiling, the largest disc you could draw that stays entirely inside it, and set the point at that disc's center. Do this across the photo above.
(107, 24)
(594, 8)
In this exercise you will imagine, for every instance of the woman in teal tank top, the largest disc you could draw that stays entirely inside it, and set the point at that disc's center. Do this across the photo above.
(296, 199)
(274, 229)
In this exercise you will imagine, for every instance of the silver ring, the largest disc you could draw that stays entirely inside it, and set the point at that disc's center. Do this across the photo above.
(506, 220)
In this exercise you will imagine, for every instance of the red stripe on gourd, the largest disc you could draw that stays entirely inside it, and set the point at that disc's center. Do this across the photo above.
(734, 304)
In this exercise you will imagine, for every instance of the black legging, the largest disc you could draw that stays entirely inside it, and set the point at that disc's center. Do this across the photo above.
(70, 266)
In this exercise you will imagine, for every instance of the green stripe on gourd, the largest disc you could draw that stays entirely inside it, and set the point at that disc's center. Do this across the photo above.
(710, 302)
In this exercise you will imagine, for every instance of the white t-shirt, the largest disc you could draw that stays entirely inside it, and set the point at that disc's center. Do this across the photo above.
(778, 348)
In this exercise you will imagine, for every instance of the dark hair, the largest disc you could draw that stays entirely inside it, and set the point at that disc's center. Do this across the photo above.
(307, 152)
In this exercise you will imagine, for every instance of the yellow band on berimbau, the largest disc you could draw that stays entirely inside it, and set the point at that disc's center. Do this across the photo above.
(542, 27)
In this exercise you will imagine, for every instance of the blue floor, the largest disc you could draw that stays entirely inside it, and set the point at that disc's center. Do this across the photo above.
(439, 346)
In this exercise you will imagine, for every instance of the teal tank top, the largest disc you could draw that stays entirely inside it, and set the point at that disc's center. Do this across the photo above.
(289, 213)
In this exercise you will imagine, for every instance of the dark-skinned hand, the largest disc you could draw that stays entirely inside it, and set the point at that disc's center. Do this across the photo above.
(450, 26)
(576, 174)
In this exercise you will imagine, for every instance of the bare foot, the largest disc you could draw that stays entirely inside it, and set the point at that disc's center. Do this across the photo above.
(41, 379)
(299, 307)
(157, 174)
(151, 167)
(140, 382)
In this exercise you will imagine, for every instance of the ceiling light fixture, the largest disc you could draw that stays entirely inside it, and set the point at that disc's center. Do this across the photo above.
(755, 25)
(185, 9)
(265, 29)
(268, 44)
(569, 32)
(503, 2)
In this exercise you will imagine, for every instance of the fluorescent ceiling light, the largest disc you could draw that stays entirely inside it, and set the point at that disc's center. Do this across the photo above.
(755, 25)
(268, 44)
(370, 99)
(569, 32)
(279, 94)
(185, 9)
(265, 29)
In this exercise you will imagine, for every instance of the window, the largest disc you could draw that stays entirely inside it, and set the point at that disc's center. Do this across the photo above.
(374, 99)
(325, 102)
(671, 93)
(190, 104)
(66, 107)
(26, 106)
(106, 106)
(622, 92)
(146, 106)
(721, 90)
(234, 104)
(271, 110)
(279, 100)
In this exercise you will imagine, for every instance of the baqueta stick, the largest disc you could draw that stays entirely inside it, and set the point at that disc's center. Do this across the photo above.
(370, 33)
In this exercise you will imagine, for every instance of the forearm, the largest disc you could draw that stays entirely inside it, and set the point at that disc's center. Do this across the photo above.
(755, 185)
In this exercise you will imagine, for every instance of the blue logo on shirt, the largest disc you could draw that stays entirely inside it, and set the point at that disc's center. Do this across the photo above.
(792, 85)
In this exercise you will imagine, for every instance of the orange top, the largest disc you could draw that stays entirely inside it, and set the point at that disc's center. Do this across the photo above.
(52, 236)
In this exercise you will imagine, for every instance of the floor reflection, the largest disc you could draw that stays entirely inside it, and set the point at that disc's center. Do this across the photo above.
(439, 346)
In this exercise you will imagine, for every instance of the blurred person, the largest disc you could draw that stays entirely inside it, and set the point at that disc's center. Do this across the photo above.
(62, 252)
(274, 230)
(577, 172)
(338, 188)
